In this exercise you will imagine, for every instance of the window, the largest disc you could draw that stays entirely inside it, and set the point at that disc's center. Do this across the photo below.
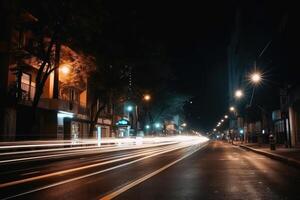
(72, 95)
(27, 87)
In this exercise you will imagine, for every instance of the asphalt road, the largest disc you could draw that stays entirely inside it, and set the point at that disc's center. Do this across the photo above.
(183, 169)
(222, 171)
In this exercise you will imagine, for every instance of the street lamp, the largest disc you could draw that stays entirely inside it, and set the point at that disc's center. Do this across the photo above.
(215, 129)
(147, 126)
(238, 94)
(226, 116)
(157, 125)
(232, 108)
(147, 97)
(129, 108)
(222, 120)
(65, 69)
(255, 77)
(184, 125)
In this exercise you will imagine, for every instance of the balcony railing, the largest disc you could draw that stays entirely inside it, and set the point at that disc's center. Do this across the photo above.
(63, 105)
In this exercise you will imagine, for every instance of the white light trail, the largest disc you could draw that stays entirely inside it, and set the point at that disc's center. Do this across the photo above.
(184, 145)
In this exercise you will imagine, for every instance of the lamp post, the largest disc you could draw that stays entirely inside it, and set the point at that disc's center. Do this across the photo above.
(255, 79)
(238, 94)
(147, 98)
(234, 111)
(129, 109)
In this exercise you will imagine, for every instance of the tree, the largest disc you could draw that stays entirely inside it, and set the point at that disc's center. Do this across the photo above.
(107, 88)
(168, 105)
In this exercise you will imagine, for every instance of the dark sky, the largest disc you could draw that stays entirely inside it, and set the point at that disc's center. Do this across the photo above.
(195, 37)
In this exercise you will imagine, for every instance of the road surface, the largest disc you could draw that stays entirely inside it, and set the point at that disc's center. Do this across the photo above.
(183, 169)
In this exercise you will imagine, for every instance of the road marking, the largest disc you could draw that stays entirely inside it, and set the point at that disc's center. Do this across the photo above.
(140, 180)
(75, 169)
(96, 173)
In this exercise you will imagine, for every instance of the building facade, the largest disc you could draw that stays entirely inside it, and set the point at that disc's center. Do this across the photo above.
(63, 110)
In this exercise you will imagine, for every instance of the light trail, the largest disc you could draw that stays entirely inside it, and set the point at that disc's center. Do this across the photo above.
(30, 144)
(51, 150)
(85, 160)
(82, 152)
(191, 143)
(132, 184)
(81, 168)
(93, 160)
(141, 143)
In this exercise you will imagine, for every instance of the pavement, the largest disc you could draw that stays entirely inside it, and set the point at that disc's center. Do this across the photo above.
(289, 156)
(186, 169)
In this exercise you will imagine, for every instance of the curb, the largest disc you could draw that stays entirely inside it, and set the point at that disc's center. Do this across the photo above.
(283, 159)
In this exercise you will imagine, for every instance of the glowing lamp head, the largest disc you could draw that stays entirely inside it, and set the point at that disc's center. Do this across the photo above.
(65, 69)
(232, 108)
(129, 108)
(147, 126)
(238, 93)
(215, 129)
(226, 116)
(157, 125)
(256, 77)
(147, 97)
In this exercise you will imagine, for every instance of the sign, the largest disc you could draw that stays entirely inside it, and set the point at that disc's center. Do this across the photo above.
(123, 122)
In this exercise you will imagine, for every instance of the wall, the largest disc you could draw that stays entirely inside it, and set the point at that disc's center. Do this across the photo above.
(83, 98)
(46, 123)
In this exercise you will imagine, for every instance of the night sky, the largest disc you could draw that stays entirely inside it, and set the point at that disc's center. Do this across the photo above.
(195, 37)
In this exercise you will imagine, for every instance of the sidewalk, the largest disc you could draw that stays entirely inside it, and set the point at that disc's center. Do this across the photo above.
(290, 156)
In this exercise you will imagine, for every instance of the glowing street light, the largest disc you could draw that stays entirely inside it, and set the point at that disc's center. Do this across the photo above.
(157, 125)
(238, 94)
(184, 125)
(147, 126)
(65, 69)
(215, 129)
(129, 108)
(255, 77)
(232, 108)
(226, 116)
(147, 97)
(222, 120)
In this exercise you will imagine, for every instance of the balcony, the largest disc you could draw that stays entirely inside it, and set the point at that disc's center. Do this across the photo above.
(52, 104)
(63, 105)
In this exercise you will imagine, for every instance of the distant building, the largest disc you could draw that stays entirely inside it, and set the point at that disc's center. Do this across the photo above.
(294, 114)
